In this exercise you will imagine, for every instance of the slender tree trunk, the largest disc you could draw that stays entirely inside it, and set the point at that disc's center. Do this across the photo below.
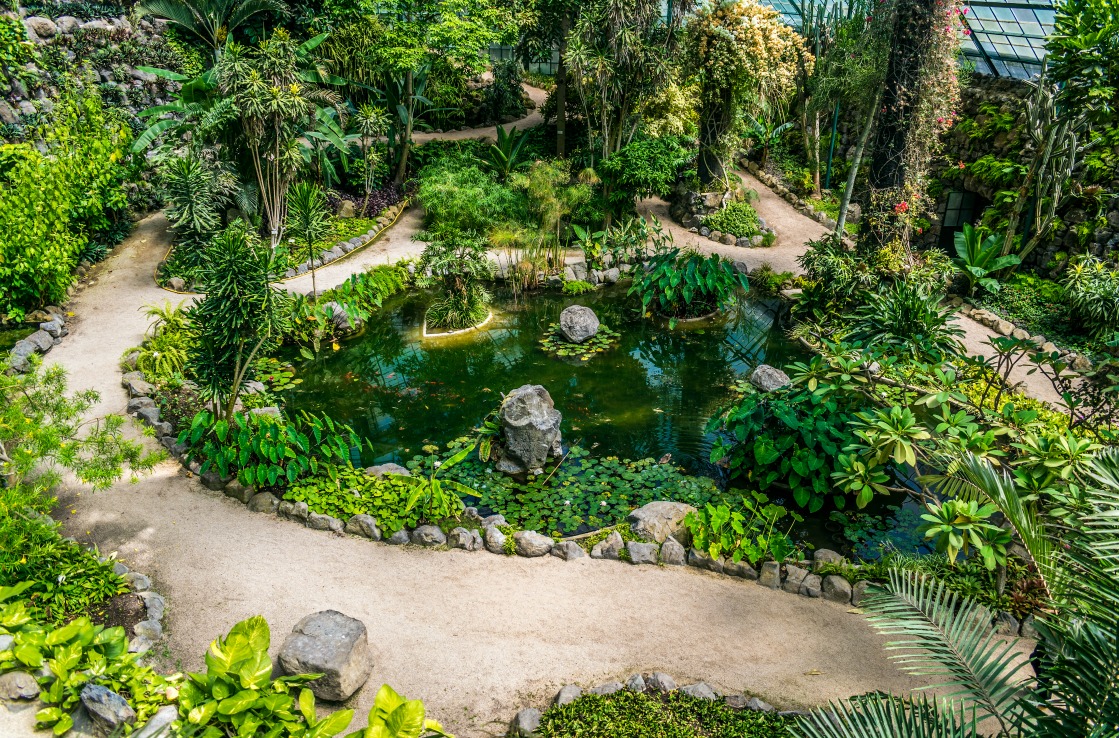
(814, 154)
(714, 117)
(406, 144)
(853, 173)
(561, 91)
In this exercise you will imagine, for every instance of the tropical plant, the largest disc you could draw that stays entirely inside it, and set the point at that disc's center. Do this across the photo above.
(371, 123)
(1092, 289)
(504, 97)
(308, 221)
(438, 498)
(210, 21)
(978, 258)
(504, 157)
(643, 167)
(738, 219)
(458, 262)
(237, 694)
(765, 131)
(195, 191)
(241, 314)
(260, 449)
(725, 532)
(910, 320)
(324, 141)
(688, 284)
(959, 526)
(395, 716)
(1083, 57)
(460, 197)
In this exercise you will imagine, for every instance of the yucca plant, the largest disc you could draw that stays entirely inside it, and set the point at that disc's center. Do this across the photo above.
(977, 258)
(907, 318)
(504, 157)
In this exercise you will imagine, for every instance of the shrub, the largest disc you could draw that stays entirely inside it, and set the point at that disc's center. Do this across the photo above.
(645, 167)
(461, 197)
(688, 285)
(626, 714)
(737, 218)
(577, 287)
(504, 96)
(908, 319)
(1093, 293)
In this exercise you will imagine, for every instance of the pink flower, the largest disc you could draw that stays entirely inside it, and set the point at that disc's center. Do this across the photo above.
(967, 31)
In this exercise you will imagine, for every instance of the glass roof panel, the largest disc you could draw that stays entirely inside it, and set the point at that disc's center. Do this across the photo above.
(1007, 36)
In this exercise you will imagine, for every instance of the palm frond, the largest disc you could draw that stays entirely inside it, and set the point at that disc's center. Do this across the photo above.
(1103, 525)
(950, 637)
(1080, 672)
(886, 716)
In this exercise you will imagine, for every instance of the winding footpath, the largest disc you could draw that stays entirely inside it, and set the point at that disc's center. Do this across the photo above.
(476, 636)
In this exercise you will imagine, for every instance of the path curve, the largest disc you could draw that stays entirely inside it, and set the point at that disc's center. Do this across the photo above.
(475, 635)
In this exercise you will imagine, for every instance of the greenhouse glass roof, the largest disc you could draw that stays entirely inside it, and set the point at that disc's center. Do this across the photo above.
(1007, 36)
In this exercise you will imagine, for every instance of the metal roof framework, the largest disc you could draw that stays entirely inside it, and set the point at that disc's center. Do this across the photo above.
(1007, 37)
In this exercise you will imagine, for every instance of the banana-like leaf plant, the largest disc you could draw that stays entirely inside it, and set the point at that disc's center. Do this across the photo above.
(978, 258)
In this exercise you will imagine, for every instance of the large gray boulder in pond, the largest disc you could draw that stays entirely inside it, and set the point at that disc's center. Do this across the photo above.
(658, 520)
(769, 379)
(578, 324)
(531, 426)
(331, 644)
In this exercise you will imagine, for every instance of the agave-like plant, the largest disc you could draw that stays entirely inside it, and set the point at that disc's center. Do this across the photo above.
(908, 318)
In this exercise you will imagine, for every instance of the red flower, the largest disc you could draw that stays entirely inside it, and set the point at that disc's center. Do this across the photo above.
(901, 207)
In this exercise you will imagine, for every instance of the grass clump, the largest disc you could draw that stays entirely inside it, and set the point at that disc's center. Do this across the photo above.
(738, 218)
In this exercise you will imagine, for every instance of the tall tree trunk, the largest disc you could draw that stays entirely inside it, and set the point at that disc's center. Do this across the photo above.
(853, 173)
(406, 143)
(814, 154)
(561, 91)
(714, 119)
(889, 170)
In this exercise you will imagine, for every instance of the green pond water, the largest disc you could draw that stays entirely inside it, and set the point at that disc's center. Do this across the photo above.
(650, 395)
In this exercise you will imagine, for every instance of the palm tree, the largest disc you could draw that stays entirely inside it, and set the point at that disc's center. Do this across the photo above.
(1075, 693)
(210, 21)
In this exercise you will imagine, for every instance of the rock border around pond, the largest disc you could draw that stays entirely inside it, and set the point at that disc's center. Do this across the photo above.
(50, 333)
(526, 723)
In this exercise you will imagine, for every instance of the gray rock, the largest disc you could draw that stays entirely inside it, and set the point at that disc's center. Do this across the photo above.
(240, 492)
(319, 521)
(150, 629)
(735, 701)
(578, 324)
(159, 725)
(642, 553)
(825, 556)
(770, 575)
(656, 521)
(812, 586)
(464, 538)
(140, 388)
(119, 569)
(130, 377)
(673, 553)
(612, 275)
(331, 644)
(264, 502)
(154, 604)
(18, 685)
(837, 589)
(493, 520)
(568, 694)
(494, 539)
(54, 328)
(700, 691)
(6, 641)
(42, 341)
(568, 550)
(108, 709)
(741, 569)
(608, 688)
(294, 511)
(608, 548)
(759, 705)
(67, 24)
(363, 525)
(769, 379)
(658, 681)
(429, 535)
(42, 27)
(137, 582)
(1007, 624)
(794, 578)
(1028, 629)
(579, 269)
(136, 404)
(531, 544)
(858, 592)
(212, 480)
(569, 274)
(140, 645)
(635, 683)
(531, 428)
(399, 538)
(526, 723)
(178, 284)
(703, 560)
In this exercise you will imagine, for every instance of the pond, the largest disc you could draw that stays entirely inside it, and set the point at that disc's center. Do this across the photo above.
(650, 395)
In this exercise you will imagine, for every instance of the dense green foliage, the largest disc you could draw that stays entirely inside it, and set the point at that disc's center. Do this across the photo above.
(688, 284)
(626, 714)
(1092, 288)
(342, 492)
(907, 319)
(737, 218)
(752, 535)
(50, 203)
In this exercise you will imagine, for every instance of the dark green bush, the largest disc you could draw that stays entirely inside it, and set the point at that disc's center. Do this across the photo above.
(737, 218)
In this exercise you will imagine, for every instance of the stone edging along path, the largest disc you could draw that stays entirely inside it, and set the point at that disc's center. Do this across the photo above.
(526, 724)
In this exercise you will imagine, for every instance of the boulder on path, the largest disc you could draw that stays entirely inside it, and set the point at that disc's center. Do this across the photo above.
(658, 520)
(331, 644)
(769, 379)
(531, 427)
(578, 324)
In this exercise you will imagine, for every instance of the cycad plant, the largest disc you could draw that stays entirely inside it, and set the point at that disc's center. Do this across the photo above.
(210, 21)
(979, 258)
(986, 683)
